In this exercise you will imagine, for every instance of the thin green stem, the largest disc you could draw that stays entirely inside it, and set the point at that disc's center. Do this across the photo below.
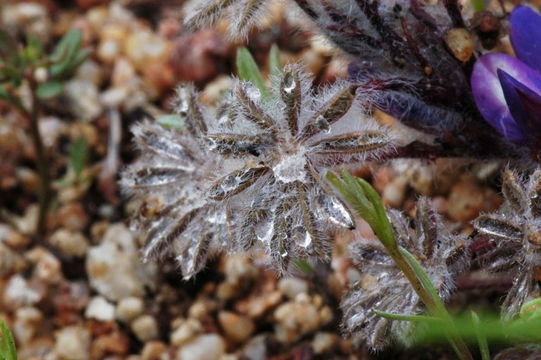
(44, 191)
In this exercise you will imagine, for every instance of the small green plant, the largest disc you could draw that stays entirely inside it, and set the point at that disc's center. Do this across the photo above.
(28, 64)
(7, 344)
(366, 202)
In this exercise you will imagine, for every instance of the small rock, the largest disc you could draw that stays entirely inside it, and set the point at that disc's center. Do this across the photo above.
(186, 331)
(204, 347)
(115, 268)
(73, 343)
(461, 43)
(145, 328)
(236, 327)
(467, 199)
(154, 350)
(83, 99)
(256, 348)
(258, 305)
(90, 71)
(143, 47)
(129, 308)
(202, 309)
(296, 318)
(73, 216)
(291, 287)
(100, 309)
(324, 342)
(69, 300)
(70, 243)
(27, 321)
(9, 260)
(115, 343)
(12, 238)
(395, 192)
(31, 17)
(46, 266)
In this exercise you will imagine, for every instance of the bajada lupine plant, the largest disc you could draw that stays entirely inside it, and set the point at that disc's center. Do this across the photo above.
(385, 288)
(516, 235)
(276, 196)
(251, 171)
(171, 181)
(402, 56)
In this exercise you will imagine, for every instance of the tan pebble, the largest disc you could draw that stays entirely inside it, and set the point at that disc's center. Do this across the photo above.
(12, 238)
(73, 216)
(258, 306)
(46, 266)
(324, 342)
(100, 309)
(461, 43)
(395, 193)
(154, 350)
(186, 331)
(116, 343)
(236, 327)
(144, 47)
(123, 72)
(145, 328)
(70, 243)
(203, 347)
(10, 261)
(129, 308)
(201, 309)
(73, 343)
(291, 287)
(467, 199)
(27, 321)
(90, 71)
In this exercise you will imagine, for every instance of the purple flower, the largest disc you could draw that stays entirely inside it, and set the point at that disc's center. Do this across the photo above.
(507, 90)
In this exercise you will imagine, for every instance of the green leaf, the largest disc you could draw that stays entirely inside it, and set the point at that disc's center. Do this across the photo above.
(68, 55)
(304, 266)
(478, 5)
(77, 156)
(275, 65)
(531, 309)
(34, 43)
(249, 71)
(7, 344)
(481, 338)
(67, 46)
(383, 230)
(171, 121)
(427, 284)
(49, 90)
(416, 318)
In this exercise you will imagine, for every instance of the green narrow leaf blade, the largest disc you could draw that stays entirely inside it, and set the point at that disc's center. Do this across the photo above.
(7, 344)
(275, 65)
(481, 338)
(49, 90)
(385, 229)
(78, 155)
(425, 280)
(402, 317)
(171, 121)
(249, 71)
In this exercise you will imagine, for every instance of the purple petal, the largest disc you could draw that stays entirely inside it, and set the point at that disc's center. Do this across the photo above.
(489, 95)
(524, 104)
(526, 35)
